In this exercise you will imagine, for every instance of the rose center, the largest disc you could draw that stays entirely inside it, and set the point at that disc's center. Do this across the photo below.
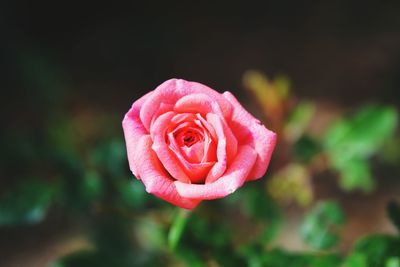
(189, 138)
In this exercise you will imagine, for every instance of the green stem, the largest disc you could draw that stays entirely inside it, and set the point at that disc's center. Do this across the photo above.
(177, 228)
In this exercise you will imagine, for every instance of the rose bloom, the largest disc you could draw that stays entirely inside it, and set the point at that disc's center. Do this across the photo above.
(188, 143)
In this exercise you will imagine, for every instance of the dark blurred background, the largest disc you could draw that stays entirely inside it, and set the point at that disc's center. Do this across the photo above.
(347, 51)
(97, 58)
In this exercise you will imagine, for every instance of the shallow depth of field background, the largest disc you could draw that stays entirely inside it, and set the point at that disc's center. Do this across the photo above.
(324, 75)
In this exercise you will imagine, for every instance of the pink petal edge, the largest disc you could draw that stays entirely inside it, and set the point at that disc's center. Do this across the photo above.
(250, 131)
(171, 91)
(133, 130)
(233, 178)
(155, 178)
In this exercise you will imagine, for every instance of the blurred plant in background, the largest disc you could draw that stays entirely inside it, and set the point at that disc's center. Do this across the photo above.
(75, 166)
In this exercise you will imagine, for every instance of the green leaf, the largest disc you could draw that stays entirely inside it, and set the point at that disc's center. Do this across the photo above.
(320, 225)
(360, 136)
(393, 209)
(377, 249)
(350, 142)
(299, 121)
(356, 174)
(393, 262)
(27, 203)
(355, 260)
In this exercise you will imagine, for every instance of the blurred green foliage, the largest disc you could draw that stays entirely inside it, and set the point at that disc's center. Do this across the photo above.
(27, 203)
(82, 172)
(299, 120)
(351, 142)
(378, 249)
(291, 184)
(320, 226)
(355, 260)
(393, 262)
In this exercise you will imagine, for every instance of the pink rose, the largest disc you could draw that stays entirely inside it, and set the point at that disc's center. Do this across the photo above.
(188, 143)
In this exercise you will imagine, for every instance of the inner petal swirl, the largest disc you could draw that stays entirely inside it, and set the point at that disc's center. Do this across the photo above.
(193, 141)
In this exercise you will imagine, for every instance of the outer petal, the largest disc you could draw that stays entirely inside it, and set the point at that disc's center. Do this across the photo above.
(249, 130)
(197, 103)
(133, 130)
(234, 177)
(155, 178)
(171, 91)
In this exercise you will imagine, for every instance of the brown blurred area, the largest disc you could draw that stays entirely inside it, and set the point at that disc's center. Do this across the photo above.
(339, 53)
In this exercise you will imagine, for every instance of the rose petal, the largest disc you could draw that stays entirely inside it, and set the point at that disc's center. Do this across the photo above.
(183, 117)
(206, 126)
(133, 130)
(248, 130)
(197, 171)
(194, 153)
(171, 91)
(197, 103)
(155, 178)
(164, 153)
(226, 148)
(162, 108)
(234, 177)
(210, 138)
